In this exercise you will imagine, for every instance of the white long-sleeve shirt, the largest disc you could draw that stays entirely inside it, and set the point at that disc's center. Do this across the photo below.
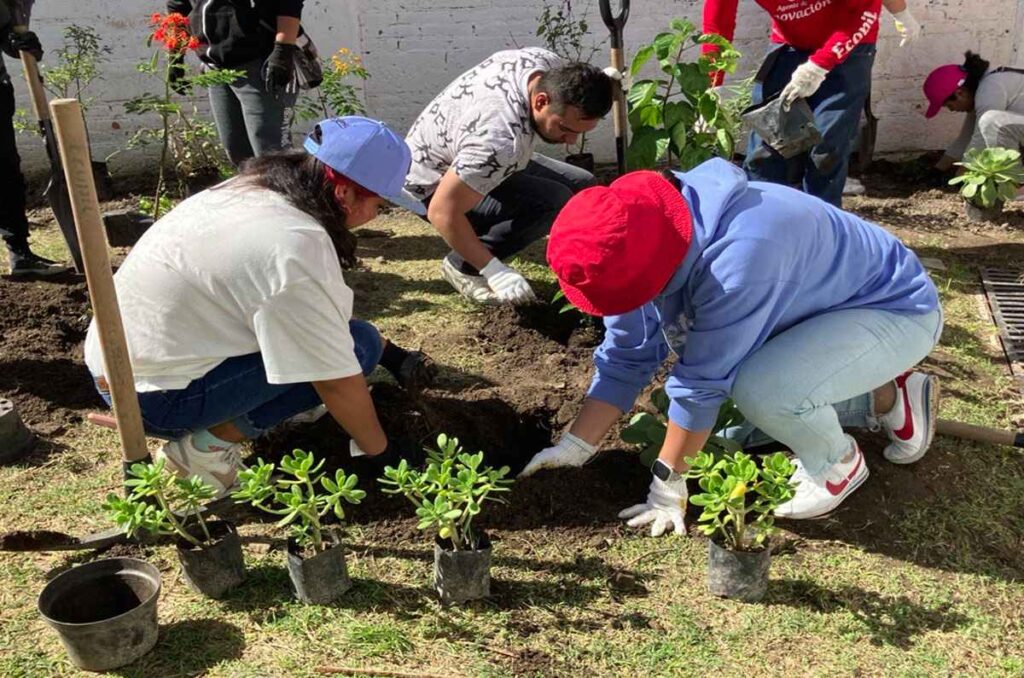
(996, 92)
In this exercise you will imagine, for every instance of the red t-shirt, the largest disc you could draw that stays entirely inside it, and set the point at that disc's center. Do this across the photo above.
(828, 28)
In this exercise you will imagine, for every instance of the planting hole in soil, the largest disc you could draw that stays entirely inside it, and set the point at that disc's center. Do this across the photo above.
(104, 611)
(213, 569)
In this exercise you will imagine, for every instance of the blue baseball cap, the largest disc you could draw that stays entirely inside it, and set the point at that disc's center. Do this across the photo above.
(368, 153)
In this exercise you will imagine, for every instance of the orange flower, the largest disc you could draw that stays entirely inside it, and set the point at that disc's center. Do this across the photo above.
(155, 18)
(193, 43)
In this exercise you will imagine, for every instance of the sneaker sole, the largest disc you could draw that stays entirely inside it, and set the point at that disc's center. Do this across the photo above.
(38, 274)
(451, 280)
(850, 489)
(933, 393)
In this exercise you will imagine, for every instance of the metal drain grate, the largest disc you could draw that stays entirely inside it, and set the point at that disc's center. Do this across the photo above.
(1005, 291)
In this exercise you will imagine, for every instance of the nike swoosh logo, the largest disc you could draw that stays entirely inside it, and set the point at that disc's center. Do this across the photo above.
(834, 488)
(907, 431)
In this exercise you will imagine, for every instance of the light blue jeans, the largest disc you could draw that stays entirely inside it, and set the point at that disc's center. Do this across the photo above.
(805, 384)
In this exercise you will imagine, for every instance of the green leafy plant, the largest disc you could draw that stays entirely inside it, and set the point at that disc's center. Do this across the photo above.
(738, 498)
(161, 503)
(677, 118)
(77, 64)
(302, 500)
(449, 493)
(336, 95)
(647, 429)
(990, 177)
(189, 144)
(567, 33)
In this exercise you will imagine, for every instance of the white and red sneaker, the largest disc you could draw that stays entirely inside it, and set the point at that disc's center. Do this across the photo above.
(819, 495)
(910, 424)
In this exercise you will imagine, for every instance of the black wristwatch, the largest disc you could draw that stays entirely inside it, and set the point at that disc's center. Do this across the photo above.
(664, 472)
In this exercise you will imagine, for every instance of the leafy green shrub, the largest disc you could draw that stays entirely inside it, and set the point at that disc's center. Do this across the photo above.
(738, 498)
(991, 176)
(77, 64)
(335, 96)
(647, 430)
(678, 116)
(161, 503)
(298, 499)
(450, 491)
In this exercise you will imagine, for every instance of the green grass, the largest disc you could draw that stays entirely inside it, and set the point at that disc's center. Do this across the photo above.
(939, 593)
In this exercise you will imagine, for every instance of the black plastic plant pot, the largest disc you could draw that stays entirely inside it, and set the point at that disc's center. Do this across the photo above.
(125, 227)
(977, 213)
(104, 611)
(200, 181)
(740, 575)
(15, 440)
(214, 569)
(581, 160)
(463, 575)
(319, 579)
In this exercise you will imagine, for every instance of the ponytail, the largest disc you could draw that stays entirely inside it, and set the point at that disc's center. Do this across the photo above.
(975, 68)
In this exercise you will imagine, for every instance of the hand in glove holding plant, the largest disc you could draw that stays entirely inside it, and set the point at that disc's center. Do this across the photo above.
(665, 505)
(804, 82)
(280, 67)
(509, 285)
(570, 451)
(907, 26)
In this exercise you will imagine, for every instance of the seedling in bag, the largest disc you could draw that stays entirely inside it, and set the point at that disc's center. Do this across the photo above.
(991, 177)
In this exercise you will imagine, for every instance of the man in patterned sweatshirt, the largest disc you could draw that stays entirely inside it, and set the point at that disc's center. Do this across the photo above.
(487, 193)
(14, 39)
(824, 52)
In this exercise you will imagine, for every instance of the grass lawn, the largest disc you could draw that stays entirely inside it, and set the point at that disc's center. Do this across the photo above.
(921, 576)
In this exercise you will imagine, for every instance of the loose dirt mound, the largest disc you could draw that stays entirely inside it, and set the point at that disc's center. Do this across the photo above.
(42, 326)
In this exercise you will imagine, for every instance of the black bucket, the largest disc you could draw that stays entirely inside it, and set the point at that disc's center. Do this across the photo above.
(15, 440)
(319, 579)
(104, 611)
(214, 569)
(462, 575)
(740, 575)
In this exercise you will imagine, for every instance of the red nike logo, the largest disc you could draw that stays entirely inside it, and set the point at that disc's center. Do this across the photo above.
(835, 488)
(907, 431)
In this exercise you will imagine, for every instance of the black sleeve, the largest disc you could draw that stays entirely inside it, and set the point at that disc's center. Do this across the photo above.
(291, 8)
(179, 6)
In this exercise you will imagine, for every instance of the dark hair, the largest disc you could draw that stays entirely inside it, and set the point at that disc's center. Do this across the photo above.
(300, 178)
(975, 67)
(670, 176)
(578, 84)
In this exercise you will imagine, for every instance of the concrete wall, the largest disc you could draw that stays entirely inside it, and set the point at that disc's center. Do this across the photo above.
(414, 47)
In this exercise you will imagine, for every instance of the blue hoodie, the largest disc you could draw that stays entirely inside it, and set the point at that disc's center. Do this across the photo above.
(764, 257)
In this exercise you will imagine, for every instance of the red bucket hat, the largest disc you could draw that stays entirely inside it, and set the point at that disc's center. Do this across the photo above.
(615, 248)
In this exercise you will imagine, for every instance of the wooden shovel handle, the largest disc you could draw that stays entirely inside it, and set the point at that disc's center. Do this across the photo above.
(35, 86)
(981, 434)
(69, 127)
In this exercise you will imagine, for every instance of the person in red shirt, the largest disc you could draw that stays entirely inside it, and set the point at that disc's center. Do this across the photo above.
(824, 52)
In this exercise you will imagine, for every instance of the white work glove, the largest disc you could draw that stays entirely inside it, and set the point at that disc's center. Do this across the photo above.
(806, 80)
(570, 451)
(665, 506)
(907, 26)
(509, 286)
(613, 73)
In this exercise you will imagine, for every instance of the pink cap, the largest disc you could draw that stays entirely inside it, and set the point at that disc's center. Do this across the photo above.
(941, 84)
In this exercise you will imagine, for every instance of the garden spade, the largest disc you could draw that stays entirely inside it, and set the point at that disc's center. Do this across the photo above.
(615, 24)
(56, 189)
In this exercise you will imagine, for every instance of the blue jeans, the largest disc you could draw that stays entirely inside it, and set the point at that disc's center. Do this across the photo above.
(251, 121)
(237, 391)
(837, 107)
(809, 381)
(522, 208)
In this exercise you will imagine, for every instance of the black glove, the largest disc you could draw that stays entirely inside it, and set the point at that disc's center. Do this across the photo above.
(13, 43)
(279, 68)
(398, 449)
(176, 74)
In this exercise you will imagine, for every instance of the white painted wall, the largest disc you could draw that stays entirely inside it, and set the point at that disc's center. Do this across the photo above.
(413, 48)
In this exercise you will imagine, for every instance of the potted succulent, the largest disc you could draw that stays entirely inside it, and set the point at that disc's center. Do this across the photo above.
(161, 503)
(448, 495)
(303, 497)
(990, 177)
(738, 501)
(646, 430)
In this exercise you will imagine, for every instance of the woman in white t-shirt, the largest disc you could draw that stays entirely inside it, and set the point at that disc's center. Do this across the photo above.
(236, 311)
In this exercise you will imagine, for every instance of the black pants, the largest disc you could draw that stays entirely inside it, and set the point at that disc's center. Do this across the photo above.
(13, 222)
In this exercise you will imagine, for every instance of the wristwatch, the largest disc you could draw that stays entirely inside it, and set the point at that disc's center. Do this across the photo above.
(664, 472)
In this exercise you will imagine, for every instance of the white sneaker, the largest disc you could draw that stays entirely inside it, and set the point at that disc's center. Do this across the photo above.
(819, 495)
(910, 424)
(853, 187)
(473, 287)
(219, 469)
